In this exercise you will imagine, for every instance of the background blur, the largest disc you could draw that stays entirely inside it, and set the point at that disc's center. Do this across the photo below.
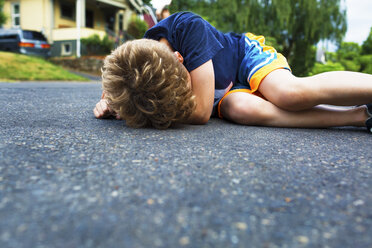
(359, 20)
(314, 35)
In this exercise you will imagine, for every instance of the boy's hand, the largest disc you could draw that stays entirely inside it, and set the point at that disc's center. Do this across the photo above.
(102, 110)
(229, 87)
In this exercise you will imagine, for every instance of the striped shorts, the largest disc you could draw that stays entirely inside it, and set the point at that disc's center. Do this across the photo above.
(258, 62)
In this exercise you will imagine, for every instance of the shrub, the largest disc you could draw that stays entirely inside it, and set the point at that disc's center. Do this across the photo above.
(350, 65)
(367, 44)
(329, 66)
(137, 27)
(331, 56)
(366, 63)
(94, 45)
(348, 51)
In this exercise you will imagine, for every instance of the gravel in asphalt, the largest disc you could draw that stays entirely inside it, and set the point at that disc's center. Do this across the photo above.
(70, 180)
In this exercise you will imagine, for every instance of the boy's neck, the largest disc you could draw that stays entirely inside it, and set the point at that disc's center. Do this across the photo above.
(166, 42)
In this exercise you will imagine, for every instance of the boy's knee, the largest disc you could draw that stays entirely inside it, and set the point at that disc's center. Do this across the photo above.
(244, 112)
(286, 91)
(292, 97)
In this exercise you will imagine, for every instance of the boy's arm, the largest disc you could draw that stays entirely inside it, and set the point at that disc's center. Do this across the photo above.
(202, 83)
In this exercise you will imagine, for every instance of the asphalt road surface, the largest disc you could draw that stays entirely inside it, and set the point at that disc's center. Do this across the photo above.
(70, 180)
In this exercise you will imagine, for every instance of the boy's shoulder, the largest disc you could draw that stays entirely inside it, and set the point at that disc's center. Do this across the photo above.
(178, 19)
(177, 23)
(182, 15)
(175, 26)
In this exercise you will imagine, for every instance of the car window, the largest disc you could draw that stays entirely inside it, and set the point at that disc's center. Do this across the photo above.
(8, 37)
(32, 35)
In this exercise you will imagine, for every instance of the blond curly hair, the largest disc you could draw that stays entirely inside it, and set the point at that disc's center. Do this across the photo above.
(146, 85)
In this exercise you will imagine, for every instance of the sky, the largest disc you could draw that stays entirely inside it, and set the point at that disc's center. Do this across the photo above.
(359, 15)
(160, 3)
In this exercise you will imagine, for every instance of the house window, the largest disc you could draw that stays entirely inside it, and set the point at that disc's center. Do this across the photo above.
(66, 49)
(121, 22)
(89, 19)
(68, 11)
(16, 22)
(110, 21)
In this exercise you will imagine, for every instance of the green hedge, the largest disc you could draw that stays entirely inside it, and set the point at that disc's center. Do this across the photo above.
(329, 66)
(94, 45)
(366, 63)
(137, 27)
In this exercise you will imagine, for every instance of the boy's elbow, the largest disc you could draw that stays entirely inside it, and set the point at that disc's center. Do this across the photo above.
(200, 119)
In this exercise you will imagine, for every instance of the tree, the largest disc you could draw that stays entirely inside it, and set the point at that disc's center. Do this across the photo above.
(366, 58)
(296, 24)
(183, 5)
(367, 44)
(2, 14)
(348, 55)
(147, 2)
(348, 50)
(366, 63)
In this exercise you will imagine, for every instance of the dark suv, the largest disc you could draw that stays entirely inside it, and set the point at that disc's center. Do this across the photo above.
(24, 41)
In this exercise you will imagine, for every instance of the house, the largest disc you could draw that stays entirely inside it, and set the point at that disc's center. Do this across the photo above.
(65, 22)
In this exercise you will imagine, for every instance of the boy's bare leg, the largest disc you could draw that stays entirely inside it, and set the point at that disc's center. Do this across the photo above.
(244, 108)
(335, 88)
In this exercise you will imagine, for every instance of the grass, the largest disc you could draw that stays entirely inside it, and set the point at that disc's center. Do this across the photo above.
(15, 67)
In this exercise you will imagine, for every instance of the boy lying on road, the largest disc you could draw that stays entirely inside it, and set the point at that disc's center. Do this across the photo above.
(184, 70)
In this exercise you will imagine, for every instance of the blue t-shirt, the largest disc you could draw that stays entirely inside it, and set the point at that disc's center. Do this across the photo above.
(198, 41)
